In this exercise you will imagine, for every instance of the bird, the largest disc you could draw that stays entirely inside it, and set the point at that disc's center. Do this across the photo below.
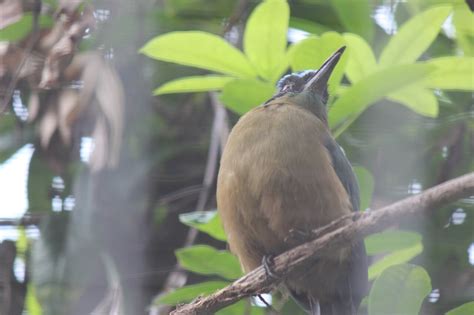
(282, 171)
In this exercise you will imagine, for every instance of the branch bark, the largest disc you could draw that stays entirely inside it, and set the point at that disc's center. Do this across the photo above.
(361, 225)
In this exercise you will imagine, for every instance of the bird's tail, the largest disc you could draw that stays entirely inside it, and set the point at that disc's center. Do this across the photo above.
(308, 303)
(313, 307)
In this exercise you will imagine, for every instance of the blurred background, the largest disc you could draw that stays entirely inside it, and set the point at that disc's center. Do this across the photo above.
(95, 171)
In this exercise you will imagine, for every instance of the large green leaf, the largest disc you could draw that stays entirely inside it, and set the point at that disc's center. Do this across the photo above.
(400, 290)
(414, 37)
(465, 309)
(201, 50)
(308, 26)
(371, 89)
(205, 221)
(394, 258)
(244, 94)
(238, 308)
(190, 292)
(265, 37)
(207, 260)
(20, 29)
(361, 61)
(451, 73)
(366, 186)
(193, 84)
(355, 16)
(418, 99)
(391, 240)
(463, 21)
(310, 53)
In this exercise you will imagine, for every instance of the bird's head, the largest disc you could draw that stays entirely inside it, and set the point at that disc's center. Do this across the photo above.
(309, 89)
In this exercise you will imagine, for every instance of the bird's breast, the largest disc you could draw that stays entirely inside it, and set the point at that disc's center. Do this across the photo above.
(276, 175)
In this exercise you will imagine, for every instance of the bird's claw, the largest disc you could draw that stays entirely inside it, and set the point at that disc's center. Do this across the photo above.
(268, 263)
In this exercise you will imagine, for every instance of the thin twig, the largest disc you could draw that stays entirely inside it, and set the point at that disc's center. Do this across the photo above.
(236, 15)
(224, 121)
(178, 194)
(257, 282)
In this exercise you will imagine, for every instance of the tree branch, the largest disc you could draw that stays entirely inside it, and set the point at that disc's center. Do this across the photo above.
(361, 225)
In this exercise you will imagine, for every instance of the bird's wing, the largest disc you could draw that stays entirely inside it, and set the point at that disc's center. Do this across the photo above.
(344, 171)
(356, 285)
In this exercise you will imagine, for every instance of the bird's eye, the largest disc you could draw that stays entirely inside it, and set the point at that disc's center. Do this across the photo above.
(287, 87)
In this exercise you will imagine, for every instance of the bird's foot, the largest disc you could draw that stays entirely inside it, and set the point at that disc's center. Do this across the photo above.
(297, 236)
(268, 264)
(357, 215)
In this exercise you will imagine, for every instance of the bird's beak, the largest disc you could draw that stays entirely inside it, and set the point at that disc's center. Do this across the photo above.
(319, 81)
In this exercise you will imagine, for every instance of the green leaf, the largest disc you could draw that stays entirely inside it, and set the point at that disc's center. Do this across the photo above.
(355, 16)
(451, 73)
(265, 37)
(201, 50)
(366, 186)
(418, 99)
(190, 292)
(238, 308)
(32, 305)
(400, 289)
(395, 258)
(207, 260)
(308, 26)
(244, 94)
(21, 243)
(193, 84)
(20, 29)
(465, 309)
(205, 221)
(311, 52)
(361, 61)
(391, 240)
(362, 94)
(414, 37)
(463, 21)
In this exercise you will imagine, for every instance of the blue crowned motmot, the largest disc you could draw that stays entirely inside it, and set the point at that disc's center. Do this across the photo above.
(282, 171)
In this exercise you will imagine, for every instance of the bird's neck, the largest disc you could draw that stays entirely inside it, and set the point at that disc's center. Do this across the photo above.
(313, 104)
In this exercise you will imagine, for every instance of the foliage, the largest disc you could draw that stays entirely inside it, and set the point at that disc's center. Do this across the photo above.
(190, 292)
(465, 309)
(205, 221)
(366, 186)
(399, 247)
(422, 67)
(249, 80)
(206, 260)
(400, 289)
(396, 76)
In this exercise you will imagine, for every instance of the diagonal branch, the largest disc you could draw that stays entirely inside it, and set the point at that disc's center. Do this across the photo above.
(364, 224)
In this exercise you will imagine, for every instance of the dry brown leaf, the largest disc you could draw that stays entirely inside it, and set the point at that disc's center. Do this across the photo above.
(11, 57)
(67, 103)
(33, 106)
(47, 126)
(51, 65)
(110, 99)
(69, 6)
(98, 159)
(102, 82)
(59, 56)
